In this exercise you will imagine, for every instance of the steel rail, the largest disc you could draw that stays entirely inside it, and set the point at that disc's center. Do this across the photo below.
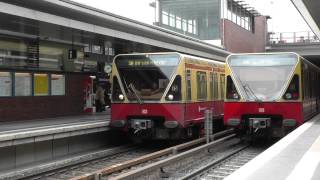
(172, 150)
(171, 160)
(214, 163)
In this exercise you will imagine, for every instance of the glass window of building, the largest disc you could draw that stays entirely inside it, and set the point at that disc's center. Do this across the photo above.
(13, 53)
(194, 27)
(51, 55)
(23, 84)
(240, 15)
(189, 17)
(165, 18)
(5, 84)
(190, 26)
(172, 20)
(41, 84)
(178, 22)
(184, 25)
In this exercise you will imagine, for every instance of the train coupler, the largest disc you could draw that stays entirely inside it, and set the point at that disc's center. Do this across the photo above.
(141, 124)
(259, 123)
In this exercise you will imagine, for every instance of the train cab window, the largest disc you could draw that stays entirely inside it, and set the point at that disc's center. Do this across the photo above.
(116, 90)
(222, 80)
(292, 92)
(201, 85)
(174, 93)
(146, 77)
(188, 80)
(215, 86)
(232, 93)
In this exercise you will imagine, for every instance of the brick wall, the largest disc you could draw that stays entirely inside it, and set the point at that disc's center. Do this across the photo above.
(240, 40)
(25, 108)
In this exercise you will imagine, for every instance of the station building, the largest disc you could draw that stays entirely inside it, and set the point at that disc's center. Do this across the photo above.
(53, 52)
(231, 24)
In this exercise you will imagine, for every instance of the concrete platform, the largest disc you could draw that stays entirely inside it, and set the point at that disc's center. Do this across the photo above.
(294, 157)
(23, 132)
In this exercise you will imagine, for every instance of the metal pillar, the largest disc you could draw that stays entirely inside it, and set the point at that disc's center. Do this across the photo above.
(208, 124)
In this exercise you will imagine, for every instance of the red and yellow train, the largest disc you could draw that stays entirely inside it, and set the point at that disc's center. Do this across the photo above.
(270, 94)
(163, 95)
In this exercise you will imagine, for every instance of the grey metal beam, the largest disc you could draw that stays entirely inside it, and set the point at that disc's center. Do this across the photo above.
(309, 10)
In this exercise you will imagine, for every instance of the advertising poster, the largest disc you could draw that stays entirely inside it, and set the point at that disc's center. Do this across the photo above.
(41, 86)
(22, 84)
(57, 84)
(5, 84)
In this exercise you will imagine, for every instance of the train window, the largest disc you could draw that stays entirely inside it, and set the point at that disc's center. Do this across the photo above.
(174, 93)
(222, 80)
(146, 77)
(215, 86)
(201, 85)
(211, 86)
(232, 92)
(293, 92)
(188, 79)
(116, 90)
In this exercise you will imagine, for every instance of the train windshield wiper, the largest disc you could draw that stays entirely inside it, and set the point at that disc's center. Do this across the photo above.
(247, 88)
(134, 90)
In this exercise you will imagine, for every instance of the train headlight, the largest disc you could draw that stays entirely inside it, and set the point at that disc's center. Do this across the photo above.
(170, 97)
(288, 96)
(121, 97)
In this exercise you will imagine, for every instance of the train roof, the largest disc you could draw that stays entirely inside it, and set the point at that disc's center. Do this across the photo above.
(180, 54)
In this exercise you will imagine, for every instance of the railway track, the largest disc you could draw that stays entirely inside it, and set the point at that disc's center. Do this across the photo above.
(113, 156)
(176, 166)
(225, 165)
(118, 160)
(215, 160)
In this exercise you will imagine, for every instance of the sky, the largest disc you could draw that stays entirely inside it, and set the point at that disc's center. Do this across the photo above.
(285, 17)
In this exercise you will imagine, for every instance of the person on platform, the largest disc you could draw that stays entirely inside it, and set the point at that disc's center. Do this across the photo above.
(100, 103)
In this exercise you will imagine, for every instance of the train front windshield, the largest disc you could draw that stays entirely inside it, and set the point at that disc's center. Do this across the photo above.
(262, 77)
(146, 77)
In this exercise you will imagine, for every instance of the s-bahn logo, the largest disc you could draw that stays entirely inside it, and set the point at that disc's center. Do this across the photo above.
(144, 111)
(261, 110)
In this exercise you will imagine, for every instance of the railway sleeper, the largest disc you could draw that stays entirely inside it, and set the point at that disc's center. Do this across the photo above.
(220, 173)
(227, 170)
(213, 176)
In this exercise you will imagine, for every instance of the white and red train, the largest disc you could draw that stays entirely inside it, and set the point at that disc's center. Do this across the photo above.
(270, 93)
(163, 95)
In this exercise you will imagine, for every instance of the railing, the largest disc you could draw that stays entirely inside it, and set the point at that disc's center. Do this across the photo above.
(304, 37)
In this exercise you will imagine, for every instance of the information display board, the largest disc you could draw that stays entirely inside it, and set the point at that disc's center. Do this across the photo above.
(57, 84)
(41, 84)
(22, 84)
(5, 84)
